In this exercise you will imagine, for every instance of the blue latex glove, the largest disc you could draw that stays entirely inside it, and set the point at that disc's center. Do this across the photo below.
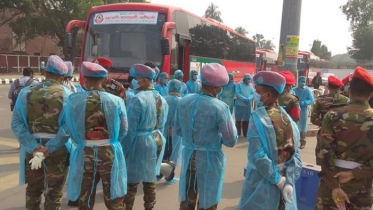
(247, 101)
(302, 103)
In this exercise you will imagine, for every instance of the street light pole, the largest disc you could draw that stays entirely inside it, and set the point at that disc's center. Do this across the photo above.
(290, 26)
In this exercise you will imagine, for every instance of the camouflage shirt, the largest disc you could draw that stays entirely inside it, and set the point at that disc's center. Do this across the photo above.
(346, 134)
(116, 88)
(324, 103)
(95, 121)
(284, 133)
(44, 104)
(291, 105)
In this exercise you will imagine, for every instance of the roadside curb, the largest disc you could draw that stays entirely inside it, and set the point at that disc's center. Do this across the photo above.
(40, 79)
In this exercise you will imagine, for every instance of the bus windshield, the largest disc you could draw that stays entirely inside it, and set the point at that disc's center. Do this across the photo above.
(124, 41)
(302, 63)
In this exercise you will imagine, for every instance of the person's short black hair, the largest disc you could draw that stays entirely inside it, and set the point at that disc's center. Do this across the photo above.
(150, 64)
(271, 90)
(27, 71)
(360, 88)
(130, 78)
(333, 87)
(95, 79)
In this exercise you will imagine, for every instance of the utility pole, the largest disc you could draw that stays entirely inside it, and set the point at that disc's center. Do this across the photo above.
(290, 27)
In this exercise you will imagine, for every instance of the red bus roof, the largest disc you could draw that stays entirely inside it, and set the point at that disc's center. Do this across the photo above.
(159, 8)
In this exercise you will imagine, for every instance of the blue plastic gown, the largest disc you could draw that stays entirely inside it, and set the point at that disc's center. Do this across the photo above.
(26, 139)
(242, 110)
(116, 120)
(184, 90)
(163, 90)
(78, 87)
(141, 155)
(260, 190)
(129, 95)
(177, 145)
(227, 95)
(193, 86)
(204, 123)
(305, 95)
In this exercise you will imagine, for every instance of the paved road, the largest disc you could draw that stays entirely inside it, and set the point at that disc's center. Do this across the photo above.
(12, 196)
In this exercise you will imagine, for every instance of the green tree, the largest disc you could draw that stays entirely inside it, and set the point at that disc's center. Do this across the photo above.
(213, 12)
(123, 1)
(258, 38)
(262, 43)
(360, 15)
(316, 47)
(241, 30)
(321, 50)
(267, 44)
(31, 18)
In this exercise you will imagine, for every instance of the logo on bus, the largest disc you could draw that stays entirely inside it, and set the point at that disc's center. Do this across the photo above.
(99, 18)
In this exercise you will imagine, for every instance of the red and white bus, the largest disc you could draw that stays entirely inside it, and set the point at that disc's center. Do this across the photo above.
(304, 58)
(170, 37)
(265, 59)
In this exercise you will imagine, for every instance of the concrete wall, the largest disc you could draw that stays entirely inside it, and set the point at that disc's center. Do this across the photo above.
(341, 73)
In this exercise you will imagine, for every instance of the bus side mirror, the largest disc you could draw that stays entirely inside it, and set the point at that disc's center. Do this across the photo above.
(165, 46)
(68, 41)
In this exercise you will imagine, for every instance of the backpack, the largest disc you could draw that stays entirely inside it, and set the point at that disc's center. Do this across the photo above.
(18, 90)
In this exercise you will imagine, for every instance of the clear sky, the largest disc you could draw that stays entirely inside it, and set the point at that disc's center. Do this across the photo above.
(321, 19)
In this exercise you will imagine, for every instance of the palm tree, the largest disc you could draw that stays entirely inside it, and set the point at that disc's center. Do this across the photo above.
(267, 44)
(213, 12)
(241, 30)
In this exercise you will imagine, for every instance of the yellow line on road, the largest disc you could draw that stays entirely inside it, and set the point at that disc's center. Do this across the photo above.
(9, 142)
(9, 181)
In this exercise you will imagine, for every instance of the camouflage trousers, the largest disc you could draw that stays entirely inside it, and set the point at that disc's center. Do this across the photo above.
(149, 188)
(303, 137)
(105, 159)
(54, 178)
(192, 196)
(244, 125)
(359, 193)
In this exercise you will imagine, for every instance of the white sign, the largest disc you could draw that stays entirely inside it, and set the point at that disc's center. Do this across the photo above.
(257, 55)
(300, 56)
(126, 17)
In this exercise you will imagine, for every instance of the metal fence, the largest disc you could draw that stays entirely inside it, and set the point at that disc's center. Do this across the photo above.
(14, 64)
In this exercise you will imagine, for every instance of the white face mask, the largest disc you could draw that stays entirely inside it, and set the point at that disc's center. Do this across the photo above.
(257, 98)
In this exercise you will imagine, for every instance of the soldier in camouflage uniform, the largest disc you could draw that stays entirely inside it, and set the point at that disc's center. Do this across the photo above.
(288, 101)
(36, 124)
(147, 112)
(344, 151)
(346, 85)
(111, 85)
(273, 160)
(103, 154)
(205, 124)
(325, 102)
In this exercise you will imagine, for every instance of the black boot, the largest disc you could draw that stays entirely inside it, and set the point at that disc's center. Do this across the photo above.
(302, 140)
(73, 203)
